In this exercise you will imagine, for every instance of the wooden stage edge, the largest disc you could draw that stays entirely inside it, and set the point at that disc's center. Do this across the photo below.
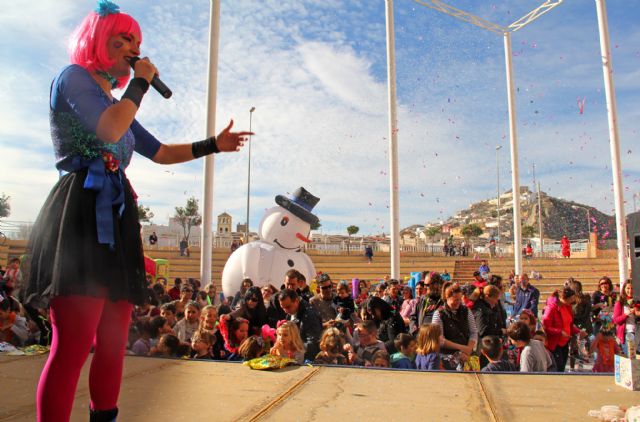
(179, 390)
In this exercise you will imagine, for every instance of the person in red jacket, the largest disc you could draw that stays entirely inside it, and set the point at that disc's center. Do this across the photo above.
(565, 245)
(625, 314)
(558, 325)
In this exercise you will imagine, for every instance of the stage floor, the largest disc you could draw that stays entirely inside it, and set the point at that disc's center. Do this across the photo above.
(159, 390)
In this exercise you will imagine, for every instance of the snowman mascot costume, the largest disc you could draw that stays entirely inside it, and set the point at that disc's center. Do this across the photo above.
(283, 232)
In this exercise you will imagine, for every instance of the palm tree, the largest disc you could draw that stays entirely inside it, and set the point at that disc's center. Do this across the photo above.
(351, 230)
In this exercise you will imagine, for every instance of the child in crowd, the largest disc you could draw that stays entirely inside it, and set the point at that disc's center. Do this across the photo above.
(142, 346)
(404, 359)
(201, 345)
(234, 331)
(534, 356)
(363, 292)
(530, 319)
(168, 312)
(186, 327)
(541, 336)
(288, 343)
(606, 348)
(13, 327)
(368, 344)
(331, 348)
(491, 348)
(428, 348)
(252, 347)
(345, 306)
(169, 347)
(201, 299)
(381, 359)
(209, 319)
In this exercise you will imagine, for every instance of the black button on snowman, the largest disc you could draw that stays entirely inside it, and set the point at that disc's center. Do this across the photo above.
(283, 231)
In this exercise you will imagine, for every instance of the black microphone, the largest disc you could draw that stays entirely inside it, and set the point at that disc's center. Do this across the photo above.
(156, 83)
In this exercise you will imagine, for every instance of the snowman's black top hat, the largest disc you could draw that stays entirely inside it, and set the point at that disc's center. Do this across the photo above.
(300, 204)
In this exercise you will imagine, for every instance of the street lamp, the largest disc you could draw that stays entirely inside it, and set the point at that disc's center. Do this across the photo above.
(498, 147)
(246, 233)
(575, 207)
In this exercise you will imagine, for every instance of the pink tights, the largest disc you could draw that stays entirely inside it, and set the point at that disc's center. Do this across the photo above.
(78, 323)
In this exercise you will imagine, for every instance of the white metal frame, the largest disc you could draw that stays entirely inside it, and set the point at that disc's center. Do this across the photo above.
(545, 7)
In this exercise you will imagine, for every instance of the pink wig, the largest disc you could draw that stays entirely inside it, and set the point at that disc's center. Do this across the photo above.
(88, 43)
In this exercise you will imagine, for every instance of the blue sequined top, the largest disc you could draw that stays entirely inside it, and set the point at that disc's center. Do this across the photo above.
(77, 102)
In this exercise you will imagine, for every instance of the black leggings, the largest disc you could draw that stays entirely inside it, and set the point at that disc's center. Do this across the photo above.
(560, 355)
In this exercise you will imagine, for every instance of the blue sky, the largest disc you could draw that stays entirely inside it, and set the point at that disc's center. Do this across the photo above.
(316, 73)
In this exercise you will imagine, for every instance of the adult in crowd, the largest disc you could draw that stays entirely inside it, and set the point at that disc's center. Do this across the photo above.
(565, 245)
(602, 303)
(625, 315)
(184, 247)
(252, 309)
(307, 319)
(534, 356)
(527, 297)
(322, 302)
(368, 253)
(387, 320)
(490, 316)
(427, 305)
(239, 296)
(392, 295)
(559, 326)
(174, 292)
(268, 292)
(459, 331)
(582, 319)
(153, 238)
(86, 248)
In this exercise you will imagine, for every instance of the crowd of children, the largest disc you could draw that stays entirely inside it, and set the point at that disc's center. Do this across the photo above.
(433, 325)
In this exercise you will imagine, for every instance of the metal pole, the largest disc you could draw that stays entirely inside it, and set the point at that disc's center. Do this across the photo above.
(393, 143)
(246, 229)
(589, 222)
(614, 143)
(540, 221)
(207, 214)
(513, 138)
(498, 184)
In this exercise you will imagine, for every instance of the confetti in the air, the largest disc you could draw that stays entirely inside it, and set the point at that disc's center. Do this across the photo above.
(581, 102)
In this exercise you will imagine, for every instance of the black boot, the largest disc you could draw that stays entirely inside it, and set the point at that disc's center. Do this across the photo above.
(103, 415)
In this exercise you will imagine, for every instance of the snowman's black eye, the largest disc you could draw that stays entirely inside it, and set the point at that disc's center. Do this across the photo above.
(284, 221)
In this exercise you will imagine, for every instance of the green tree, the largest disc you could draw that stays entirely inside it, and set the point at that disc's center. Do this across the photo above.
(5, 207)
(144, 213)
(351, 230)
(432, 231)
(188, 216)
(471, 230)
(528, 231)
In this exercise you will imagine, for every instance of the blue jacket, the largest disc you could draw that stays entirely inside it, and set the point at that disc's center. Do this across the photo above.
(526, 299)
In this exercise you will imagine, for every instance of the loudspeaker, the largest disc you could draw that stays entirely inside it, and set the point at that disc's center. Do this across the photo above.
(633, 230)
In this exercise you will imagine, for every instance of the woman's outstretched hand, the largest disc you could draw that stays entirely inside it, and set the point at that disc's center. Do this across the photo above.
(228, 141)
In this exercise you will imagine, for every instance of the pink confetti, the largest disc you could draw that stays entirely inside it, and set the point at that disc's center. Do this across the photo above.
(581, 103)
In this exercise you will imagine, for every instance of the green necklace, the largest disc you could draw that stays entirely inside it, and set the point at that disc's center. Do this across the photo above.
(113, 81)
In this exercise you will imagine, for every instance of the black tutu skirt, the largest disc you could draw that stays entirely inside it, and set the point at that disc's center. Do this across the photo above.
(65, 257)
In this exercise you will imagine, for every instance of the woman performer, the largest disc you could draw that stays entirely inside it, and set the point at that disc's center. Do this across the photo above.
(86, 250)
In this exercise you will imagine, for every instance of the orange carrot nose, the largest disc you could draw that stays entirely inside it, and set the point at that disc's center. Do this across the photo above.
(303, 238)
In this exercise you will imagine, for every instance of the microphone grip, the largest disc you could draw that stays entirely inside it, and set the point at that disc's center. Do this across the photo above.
(159, 86)
(156, 83)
